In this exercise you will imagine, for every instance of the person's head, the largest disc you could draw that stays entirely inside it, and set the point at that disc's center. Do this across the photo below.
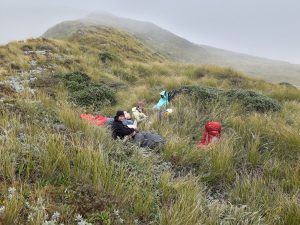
(163, 94)
(127, 115)
(141, 105)
(120, 116)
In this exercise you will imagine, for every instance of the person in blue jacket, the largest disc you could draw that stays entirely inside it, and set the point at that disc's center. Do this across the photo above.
(163, 102)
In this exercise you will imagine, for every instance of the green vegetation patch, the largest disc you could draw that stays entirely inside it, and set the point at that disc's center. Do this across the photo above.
(85, 92)
(252, 101)
(204, 93)
(287, 84)
(106, 57)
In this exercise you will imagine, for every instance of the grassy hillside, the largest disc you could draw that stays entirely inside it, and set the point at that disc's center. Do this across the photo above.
(57, 169)
(181, 50)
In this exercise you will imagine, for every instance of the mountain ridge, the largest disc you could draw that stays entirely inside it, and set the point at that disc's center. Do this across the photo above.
(181, 50)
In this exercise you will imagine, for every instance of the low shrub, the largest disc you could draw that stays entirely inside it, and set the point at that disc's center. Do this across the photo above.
(250, 100)
(205, 93)
(84, 92)
(76, 77)
(106, 57)
(94, 95)
(75, 86)
(287, 84)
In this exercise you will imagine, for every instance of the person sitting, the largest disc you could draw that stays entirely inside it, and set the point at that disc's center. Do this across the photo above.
(119, 130)
(128, 121)
(212, 133)
(138, 112)
(163, 102)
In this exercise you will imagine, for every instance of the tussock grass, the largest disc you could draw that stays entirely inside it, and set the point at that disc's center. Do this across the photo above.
(182, 201)
(56, 161)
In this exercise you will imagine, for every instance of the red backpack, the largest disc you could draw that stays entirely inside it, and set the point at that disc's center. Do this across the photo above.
(212, 132)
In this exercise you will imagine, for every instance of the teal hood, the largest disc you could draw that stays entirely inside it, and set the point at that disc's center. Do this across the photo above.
(163, 94)
(163, 102)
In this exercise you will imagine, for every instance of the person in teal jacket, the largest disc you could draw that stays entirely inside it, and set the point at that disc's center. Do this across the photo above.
(163, 102)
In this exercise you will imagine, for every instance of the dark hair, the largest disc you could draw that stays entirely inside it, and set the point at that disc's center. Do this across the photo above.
(119, 113)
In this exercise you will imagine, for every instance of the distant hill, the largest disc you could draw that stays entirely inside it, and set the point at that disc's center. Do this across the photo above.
(181, 50)
(106, 39)
(83, 48)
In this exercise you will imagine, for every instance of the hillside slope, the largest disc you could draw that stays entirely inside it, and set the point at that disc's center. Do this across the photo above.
(182, 50)
(58, 169)
(83, 48)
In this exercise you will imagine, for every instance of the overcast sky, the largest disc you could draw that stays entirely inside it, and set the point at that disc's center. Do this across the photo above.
(267, 28)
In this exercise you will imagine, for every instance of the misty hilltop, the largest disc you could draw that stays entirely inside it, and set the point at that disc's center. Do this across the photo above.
(178, 49)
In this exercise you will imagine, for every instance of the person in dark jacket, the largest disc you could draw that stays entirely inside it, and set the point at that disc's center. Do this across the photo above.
(119, 129)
